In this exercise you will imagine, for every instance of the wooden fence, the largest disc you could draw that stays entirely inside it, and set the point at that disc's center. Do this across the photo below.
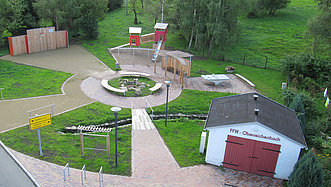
(36, 40)
(147, 38)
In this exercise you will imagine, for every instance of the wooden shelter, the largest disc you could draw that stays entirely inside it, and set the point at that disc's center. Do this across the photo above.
(135, 36)
(41, 39)
(176, 62)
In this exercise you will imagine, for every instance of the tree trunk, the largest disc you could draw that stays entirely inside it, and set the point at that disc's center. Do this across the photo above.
(142, 4)
(210, 46)
(126, 7)
(135, 17)
(190, 43)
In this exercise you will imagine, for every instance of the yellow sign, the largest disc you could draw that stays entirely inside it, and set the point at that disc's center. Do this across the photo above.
(40, 121)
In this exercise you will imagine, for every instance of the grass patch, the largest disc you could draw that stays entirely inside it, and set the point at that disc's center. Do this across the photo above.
(267, 81)
(273, 37)
(114, 31)
(20, 81)
(116, 83)
(182, 137)
(190, 102)
(62, 148)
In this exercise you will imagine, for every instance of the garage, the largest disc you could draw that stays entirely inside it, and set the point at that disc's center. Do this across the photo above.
(254, 134)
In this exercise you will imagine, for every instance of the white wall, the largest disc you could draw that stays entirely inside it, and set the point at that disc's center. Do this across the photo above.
(289, 150)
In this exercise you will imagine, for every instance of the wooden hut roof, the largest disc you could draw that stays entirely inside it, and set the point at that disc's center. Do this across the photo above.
(161, 26)
(135, 30)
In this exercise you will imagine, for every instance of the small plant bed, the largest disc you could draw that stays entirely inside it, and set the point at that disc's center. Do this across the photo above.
(182, 137)
(134, 86)
(21, 81)
(61, 148)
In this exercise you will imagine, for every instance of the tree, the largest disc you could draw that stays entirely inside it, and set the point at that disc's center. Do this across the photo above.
(307, 172)
(61, 13)
(319, 27)
(114, 4)
(135, 8)
(298, 106)
(12, 15)
(210, 23)
(271, 6)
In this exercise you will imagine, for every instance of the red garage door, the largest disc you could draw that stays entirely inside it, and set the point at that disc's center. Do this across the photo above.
(251, 156)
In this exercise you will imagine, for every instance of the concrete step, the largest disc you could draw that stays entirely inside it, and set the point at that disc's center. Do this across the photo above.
(141, 120)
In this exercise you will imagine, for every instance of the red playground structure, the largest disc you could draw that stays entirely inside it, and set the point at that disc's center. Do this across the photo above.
(135, 36)
(160, 32)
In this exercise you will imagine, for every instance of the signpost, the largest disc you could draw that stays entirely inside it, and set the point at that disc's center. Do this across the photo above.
(38, 122)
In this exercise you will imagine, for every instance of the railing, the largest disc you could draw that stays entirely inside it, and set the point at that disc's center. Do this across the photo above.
(52, 106)
(64, 171)
(100, 176)
(81, 174)
(150, 106)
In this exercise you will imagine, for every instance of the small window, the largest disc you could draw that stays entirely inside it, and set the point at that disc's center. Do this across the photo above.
(133, 42)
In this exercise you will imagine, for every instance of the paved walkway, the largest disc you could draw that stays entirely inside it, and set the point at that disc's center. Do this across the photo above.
(152, 165)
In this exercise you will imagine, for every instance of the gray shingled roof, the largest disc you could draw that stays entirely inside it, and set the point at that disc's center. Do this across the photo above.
(240, 109)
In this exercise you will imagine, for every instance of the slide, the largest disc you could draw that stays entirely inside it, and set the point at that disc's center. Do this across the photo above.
(159, 44)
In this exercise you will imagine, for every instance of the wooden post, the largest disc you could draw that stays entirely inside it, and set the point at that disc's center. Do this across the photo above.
(175, 66)
(181, 75)
(108, 146)
(155, 66)
(166, 66)
(81, 143)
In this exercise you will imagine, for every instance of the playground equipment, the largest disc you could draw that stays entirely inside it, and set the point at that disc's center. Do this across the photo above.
(159, 38)
(135, 36)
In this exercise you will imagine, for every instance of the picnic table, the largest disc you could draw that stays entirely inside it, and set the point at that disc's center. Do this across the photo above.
(215, 78)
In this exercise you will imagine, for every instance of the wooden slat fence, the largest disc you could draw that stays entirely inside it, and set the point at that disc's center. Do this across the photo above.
(36, 40)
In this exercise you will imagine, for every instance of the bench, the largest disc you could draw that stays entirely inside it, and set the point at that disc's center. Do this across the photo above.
(155, 87)
(246, 80)
(135, 74)
(105, 84)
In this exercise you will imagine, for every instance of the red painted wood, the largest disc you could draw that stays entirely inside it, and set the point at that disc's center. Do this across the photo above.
(264, 158)
(10, 41)
(157, 36)
(27, 44)
(251, 156)
(137, 38)
(237, 152)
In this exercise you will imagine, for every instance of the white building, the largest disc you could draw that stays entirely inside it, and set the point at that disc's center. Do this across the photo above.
(252, 133)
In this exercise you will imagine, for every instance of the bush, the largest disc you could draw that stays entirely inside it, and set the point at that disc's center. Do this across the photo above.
(114, 4)
(306, 65)
(307, 172)
(310, 107)
(89, 26)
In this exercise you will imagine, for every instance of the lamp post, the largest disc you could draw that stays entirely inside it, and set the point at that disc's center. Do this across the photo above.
(115, 110)
(166, 117)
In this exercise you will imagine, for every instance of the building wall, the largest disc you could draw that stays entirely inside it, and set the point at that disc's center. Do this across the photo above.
(289, 151)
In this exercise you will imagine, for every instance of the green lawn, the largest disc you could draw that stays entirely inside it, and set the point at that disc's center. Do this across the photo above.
(190, 102)
(182, 137)
(20, 81)
(61, 148)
